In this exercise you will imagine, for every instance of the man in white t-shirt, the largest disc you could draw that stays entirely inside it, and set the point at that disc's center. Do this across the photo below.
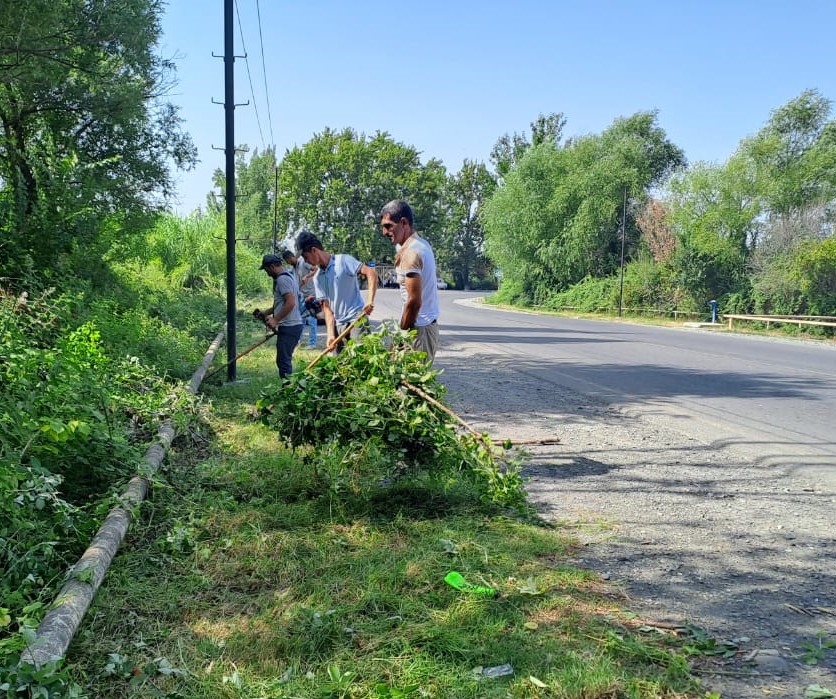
(337, 288)
(416, 274)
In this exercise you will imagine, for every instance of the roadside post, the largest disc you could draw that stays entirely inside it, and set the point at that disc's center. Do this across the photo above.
(713, 305)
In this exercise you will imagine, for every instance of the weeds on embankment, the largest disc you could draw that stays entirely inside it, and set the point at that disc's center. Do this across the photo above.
(262, 570)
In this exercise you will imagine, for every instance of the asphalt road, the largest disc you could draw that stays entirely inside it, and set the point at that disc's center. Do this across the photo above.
(775, 398)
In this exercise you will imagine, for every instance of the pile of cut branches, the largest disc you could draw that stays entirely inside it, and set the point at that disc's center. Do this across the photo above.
(361, 396)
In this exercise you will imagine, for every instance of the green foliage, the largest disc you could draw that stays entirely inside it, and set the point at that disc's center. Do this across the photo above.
(801, 281)
(23, 680)
(508, 150)
(712, 202)
(83, 131)
(360, 398)
(745, 230)
(463, 247)
(816, 263)
(816, 652)
(20, 679)
(555, 219)
(255, 180)
(791, 158)
(337, 182)
(73, 424)
(588, 296)
(706, 266)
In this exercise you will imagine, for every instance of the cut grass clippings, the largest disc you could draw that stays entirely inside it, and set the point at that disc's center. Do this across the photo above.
(248, 576)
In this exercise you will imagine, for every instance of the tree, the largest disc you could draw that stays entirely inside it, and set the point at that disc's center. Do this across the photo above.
(753, 214)
(719, 201)
(337, 183)
(85, 132)
(793, 157)
(555, 219)
(463, 251)
(508, 150)
(656, 232)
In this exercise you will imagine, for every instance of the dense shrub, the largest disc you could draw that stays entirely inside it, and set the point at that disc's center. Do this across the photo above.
(647, 286)
(74, 423)
(360, 398)
(816, 263)
(799, 281)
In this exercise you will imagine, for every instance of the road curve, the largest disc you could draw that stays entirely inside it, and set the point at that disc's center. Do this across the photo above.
(776, 398)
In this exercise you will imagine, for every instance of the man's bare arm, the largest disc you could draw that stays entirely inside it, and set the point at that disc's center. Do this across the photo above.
(412, 285)
(371, 279)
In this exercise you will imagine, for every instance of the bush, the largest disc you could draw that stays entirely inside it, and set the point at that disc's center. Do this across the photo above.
(361, 397)
(73, 425)
(816, 265)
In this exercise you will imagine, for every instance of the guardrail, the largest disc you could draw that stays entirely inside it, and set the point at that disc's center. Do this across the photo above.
(613, 310)
(821, 321)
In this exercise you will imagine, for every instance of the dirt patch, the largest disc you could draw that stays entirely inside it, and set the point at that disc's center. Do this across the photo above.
(692, 531)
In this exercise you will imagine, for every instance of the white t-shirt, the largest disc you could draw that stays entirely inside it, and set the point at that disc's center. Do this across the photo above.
(416, 257)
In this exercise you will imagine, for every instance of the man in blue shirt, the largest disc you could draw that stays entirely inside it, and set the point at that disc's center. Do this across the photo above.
(337, 288)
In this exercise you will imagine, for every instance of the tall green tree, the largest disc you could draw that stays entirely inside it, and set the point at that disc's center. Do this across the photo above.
(508, 150)
(738, 225)
(85, 130)
(793, 157)
(721, 201)
(337, 183)
(463, 249)
(555, 219)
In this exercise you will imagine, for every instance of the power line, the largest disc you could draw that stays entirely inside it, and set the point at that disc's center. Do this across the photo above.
(249, 75)
(264, 72)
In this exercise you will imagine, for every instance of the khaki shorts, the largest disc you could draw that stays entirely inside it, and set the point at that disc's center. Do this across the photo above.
(426, 340)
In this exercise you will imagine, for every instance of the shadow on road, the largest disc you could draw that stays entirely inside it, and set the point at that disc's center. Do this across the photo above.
(717, 532)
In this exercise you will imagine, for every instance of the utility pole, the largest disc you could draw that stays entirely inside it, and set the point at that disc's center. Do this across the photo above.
(275, 209)
(229, 111)
(623, 235)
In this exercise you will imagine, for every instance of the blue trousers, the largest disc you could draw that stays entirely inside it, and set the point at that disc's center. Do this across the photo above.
(310, 321)
(287, 337)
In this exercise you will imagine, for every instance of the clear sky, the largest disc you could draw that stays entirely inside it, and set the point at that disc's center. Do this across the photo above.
(451, 77)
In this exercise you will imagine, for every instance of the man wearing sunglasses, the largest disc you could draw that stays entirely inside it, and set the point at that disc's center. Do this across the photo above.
(416, 274)
(337, 288)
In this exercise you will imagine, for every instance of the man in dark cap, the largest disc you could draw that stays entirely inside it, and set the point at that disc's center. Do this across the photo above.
(337, 288)
(284, 318)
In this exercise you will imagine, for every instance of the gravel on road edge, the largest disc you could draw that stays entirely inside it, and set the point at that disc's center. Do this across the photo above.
(693, 531)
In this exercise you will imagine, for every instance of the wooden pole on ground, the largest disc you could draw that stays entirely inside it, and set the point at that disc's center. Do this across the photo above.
(423, 394)
(246, 351)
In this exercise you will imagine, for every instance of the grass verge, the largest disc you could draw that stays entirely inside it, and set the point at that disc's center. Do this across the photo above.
(250, 576)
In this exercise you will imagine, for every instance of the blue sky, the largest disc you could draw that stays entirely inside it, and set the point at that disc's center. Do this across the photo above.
(450, 78)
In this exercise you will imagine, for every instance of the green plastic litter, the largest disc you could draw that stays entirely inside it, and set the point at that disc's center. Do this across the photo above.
(455, 579)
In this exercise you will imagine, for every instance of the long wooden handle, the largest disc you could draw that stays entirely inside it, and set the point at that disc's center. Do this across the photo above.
(336, 341)
(246, 351)
(470, 429)
(427, 397)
